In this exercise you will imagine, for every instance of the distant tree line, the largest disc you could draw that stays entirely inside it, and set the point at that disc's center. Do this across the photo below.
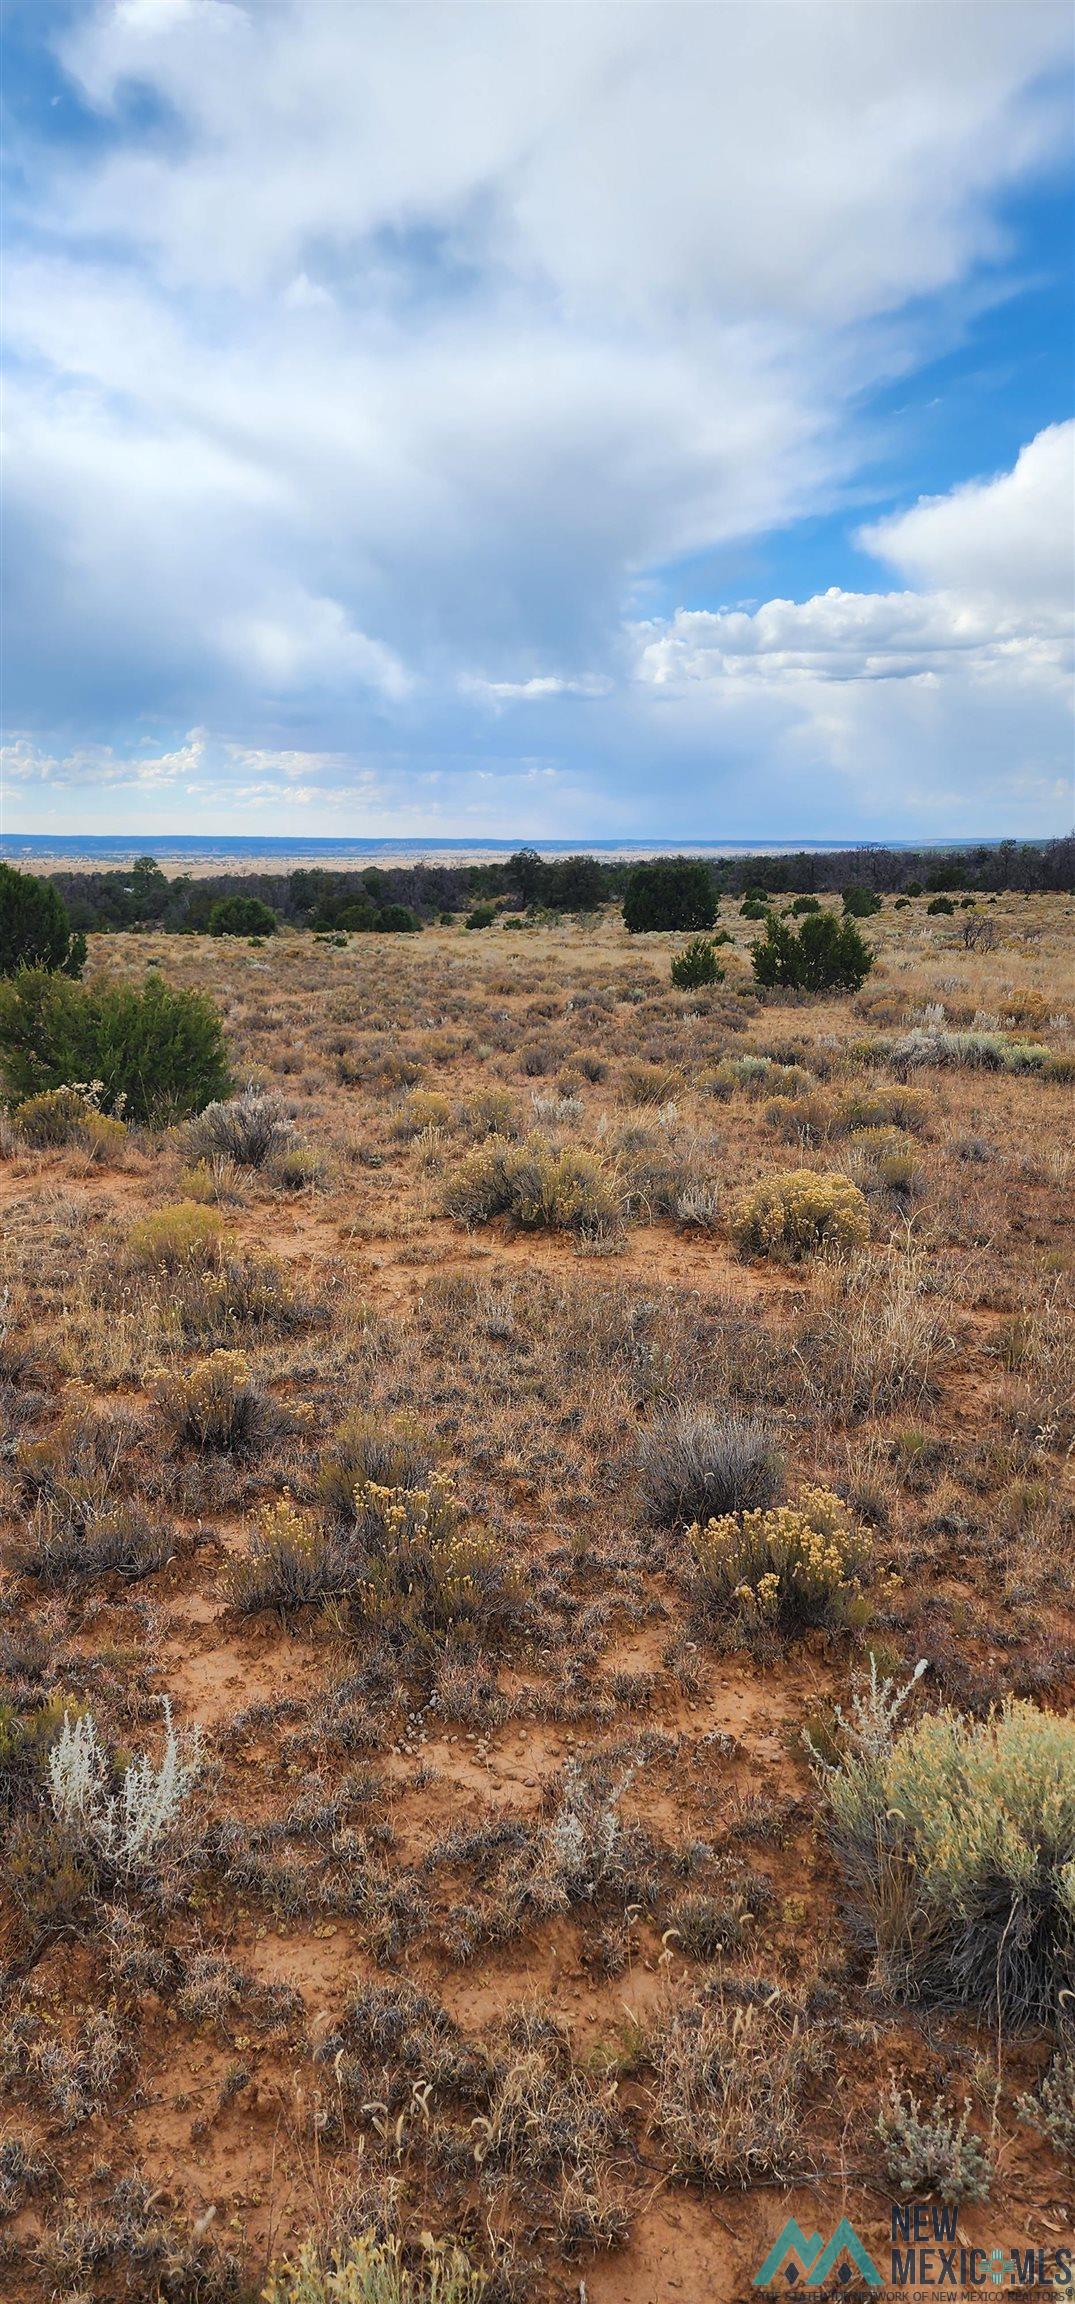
(399, 896)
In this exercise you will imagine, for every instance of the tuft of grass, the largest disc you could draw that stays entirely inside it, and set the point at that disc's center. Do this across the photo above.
(730, 2081)
(188, 1237)
(387, 1451)
(290, 1563)
(68, 1540)
(697, 1466)
(420, 1571)
(216, 1404)
(368, 2270)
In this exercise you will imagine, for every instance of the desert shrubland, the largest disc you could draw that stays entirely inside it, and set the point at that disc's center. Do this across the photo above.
(507, 1431)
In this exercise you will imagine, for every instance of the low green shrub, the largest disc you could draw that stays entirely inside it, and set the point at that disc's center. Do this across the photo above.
(860, 903)
(26, 1739)
(787, 1570)
(697, 965)
(935, 2152)
(937, 1044)
(799, 1212)
(1052, 2110)
(959, 1837)
(423, 1108)
(298, 1168)
(826, 954)
(897, 1106)
(155, 1054)
(396, 920)
(482, 916)
(755, 1076)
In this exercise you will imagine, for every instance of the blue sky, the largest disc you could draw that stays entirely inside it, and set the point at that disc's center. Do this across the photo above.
(633, 420)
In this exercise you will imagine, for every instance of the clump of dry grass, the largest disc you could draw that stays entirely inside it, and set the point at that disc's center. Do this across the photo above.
(215, 1404)
(696, 1466)
(419, 1570)
(874, 1336)
(387, 1451)
(289, 1563)
(188, 1238)
(368, 2269)
(730, 2081)
(545, 2118)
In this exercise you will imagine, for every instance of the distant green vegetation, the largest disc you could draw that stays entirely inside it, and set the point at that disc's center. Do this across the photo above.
(672, 892)
(658, 893)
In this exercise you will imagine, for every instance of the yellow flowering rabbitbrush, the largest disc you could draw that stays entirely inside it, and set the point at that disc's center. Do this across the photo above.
(799, 1212)
(422, 1572)
(215, 1404)
(788, 1569)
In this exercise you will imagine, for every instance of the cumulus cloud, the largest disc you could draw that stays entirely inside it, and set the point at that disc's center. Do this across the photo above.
(348, 420)
(997, 556)
(914, 686)
(1011, 538)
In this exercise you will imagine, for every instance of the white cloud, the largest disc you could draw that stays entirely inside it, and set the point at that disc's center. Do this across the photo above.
(306, 642)
(944, 697)
(537, 690)
(1011, 538)
(999, 554)
(656, 154)
(425, 352)
(23, 761)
